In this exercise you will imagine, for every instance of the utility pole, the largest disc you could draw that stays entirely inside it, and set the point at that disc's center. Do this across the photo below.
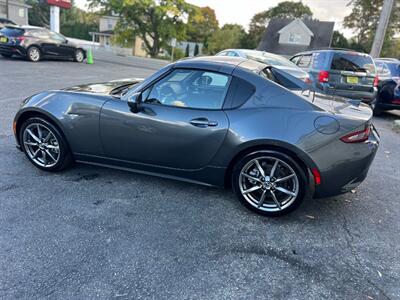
(54, 18)
(382, 26)
(7, 11)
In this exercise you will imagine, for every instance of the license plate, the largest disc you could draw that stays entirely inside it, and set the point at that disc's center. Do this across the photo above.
(352, 79)
(3, 39)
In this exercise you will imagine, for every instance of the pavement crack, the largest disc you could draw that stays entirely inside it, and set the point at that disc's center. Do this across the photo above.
(349, 237)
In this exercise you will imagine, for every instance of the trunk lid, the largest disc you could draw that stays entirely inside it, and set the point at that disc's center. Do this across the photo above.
(338, 106)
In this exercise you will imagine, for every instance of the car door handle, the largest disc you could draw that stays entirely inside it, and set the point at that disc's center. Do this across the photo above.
(203, 122)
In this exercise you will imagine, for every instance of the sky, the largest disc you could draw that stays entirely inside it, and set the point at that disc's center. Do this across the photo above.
(240, 12)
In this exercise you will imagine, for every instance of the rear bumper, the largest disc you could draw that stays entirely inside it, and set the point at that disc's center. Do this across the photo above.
(354, 161)
(9, 50)
(364, 96)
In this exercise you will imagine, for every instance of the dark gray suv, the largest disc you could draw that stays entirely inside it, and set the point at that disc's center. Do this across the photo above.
(345, 73)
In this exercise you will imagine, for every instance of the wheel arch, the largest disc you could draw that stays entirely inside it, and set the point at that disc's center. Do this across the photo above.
(37, 46)
(83, 50)
(31, 113)
(304, 161)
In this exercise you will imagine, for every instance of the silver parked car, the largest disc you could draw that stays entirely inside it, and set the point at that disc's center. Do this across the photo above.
(270, 59)
(218, 121)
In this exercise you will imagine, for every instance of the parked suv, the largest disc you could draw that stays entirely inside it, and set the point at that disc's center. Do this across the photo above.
(345, 73)
(388, 70)
(34, 43)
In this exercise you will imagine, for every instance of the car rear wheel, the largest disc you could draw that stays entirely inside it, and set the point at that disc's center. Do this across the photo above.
(44, 146)
(79, 56)
(269, 182)
(34, 54)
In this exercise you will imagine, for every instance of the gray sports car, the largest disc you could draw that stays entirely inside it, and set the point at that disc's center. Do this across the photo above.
(217, 121)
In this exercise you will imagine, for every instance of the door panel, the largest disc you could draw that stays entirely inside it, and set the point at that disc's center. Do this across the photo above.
(168, 136)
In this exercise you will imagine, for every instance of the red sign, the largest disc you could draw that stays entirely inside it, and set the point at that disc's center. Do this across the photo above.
(60, 3)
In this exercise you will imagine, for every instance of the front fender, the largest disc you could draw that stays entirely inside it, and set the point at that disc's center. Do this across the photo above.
(76, 115)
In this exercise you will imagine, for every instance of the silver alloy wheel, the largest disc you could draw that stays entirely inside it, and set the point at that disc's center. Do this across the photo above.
(41, 145)
(79, 56)
(34, 54)
(268, 183)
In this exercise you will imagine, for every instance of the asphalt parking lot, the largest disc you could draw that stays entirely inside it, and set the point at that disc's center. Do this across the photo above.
(91, 232)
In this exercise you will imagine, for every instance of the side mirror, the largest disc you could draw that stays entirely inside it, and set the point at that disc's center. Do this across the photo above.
(134, 102)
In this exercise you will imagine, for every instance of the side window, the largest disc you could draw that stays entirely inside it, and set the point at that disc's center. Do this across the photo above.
(295, 59)
(189, 88)
(57, 37)
(239, 92)
(382, 70)
(305, 61)
(231, 53)
(41, 34)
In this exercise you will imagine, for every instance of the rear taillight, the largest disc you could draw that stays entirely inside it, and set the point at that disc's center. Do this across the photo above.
(323, 76)
(376, 81)
(19, 39)
(357, 136)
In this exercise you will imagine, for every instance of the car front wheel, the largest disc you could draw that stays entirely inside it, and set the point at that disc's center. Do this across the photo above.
(44, 145)
(79, 56)
(269, 182)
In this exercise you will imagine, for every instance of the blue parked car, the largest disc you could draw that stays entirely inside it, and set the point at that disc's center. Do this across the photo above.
(388, 70)
(341, 72)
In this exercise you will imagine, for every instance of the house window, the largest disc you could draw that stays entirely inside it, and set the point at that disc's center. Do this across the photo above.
(3, 10)
(110, 25)
(294, 38)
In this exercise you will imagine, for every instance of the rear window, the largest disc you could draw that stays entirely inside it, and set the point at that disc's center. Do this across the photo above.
(304, 61)
(394, 69)
(355, 62)
(12, 32)
(318, 62)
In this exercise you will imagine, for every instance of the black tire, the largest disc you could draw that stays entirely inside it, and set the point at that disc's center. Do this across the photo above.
(377, 111)
(34, 54)
(285, 161)
(64, 155)
(79, 56)
(6, 55)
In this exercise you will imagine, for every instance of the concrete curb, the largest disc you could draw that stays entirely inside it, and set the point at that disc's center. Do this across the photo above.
(396, 126)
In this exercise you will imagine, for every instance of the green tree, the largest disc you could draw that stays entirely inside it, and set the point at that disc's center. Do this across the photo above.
(202, 23)
(339, 40)
(155, 21)
(364, 20)
(229, 36)
(286, 9)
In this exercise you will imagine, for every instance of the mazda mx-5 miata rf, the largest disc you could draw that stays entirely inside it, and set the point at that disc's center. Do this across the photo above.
(217, 121)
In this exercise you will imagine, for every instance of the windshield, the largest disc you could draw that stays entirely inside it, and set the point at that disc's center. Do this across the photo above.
(353, 61)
